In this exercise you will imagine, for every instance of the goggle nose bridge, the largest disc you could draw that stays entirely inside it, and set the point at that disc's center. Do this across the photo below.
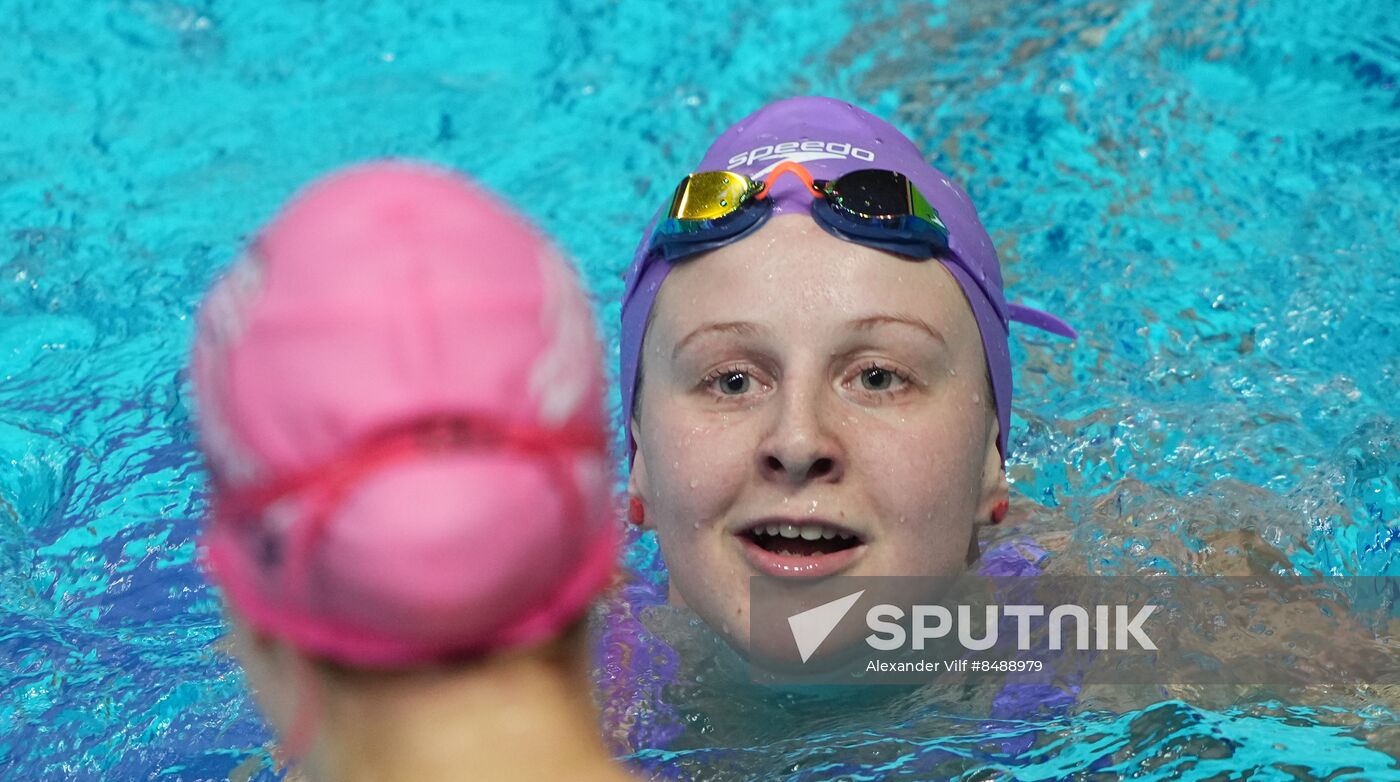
(796, 169)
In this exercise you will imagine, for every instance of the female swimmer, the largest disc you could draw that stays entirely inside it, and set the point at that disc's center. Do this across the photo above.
(400, 407)
(815, 363)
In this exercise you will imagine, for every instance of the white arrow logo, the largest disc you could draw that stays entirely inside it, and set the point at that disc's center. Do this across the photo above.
(812, 626)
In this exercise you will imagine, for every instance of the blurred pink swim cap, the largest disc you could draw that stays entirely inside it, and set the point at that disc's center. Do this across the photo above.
(400, 404)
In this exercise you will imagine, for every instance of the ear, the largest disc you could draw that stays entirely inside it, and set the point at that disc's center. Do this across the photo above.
(637, 485)
(995, 489)
(993, 492)
(974, 549)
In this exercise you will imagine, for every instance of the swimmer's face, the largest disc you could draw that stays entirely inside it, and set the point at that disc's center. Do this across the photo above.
(800, 384)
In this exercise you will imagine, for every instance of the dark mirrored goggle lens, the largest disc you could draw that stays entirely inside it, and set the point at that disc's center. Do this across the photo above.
(884, 196)
(873, 194)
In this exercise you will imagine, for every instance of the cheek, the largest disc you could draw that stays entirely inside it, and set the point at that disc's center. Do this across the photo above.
(928, 472)
(933, 510)
(694, 466)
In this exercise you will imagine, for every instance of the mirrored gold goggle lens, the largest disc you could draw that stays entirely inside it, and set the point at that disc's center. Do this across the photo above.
(710, 194)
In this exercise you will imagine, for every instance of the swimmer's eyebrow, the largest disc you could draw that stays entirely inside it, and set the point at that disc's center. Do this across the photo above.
(740, 327)
(918, 323)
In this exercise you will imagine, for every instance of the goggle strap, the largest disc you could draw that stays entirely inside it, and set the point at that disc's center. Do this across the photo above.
(324, 488)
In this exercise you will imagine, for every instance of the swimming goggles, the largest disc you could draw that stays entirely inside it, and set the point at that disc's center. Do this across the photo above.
(871, 206)
(320, 490)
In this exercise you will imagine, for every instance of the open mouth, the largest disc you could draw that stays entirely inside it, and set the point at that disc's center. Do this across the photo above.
(809, 539)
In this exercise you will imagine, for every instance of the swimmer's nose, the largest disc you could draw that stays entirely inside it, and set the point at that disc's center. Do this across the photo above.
(799, 449)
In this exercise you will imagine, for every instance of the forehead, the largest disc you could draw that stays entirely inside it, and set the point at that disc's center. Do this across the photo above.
(791, 275)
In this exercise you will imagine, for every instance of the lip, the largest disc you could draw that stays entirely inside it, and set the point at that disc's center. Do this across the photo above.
(796, 565)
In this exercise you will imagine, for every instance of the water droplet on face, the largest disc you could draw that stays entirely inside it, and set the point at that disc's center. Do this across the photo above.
(976, 398)
(952, 373)
(812, 510)
(696, 525)
(694, 482)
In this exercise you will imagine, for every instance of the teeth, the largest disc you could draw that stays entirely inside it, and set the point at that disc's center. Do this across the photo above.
(803, 531)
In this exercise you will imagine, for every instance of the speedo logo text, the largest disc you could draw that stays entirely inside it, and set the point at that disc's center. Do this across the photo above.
(801, 152)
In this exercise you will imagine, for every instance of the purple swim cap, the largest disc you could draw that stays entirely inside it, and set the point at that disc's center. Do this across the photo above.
(830, 138)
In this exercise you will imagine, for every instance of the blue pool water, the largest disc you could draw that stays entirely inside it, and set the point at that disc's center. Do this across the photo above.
(1207, 190)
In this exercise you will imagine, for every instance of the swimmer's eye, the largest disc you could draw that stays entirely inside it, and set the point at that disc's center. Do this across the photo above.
(879, 379)
(729, 382)
(732, 383)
